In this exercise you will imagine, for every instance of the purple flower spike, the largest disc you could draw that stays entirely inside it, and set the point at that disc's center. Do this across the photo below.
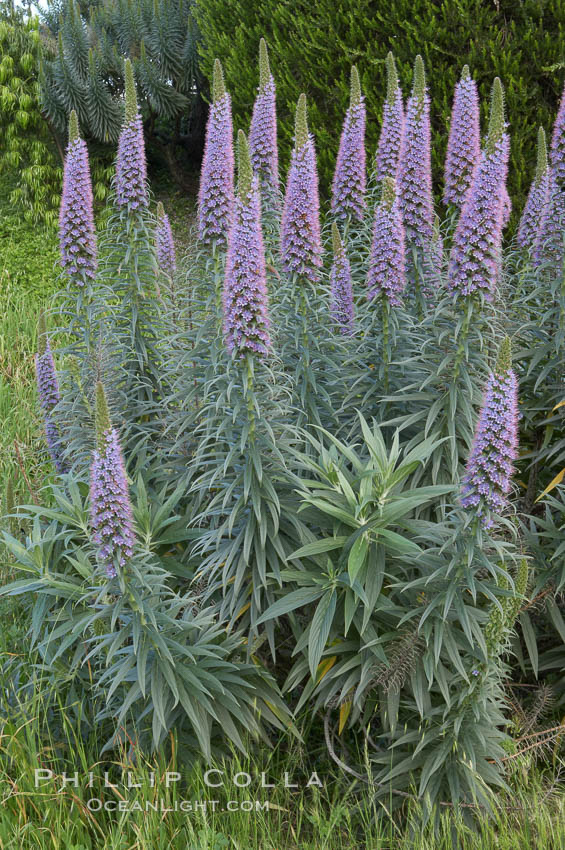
(77, 237)
(475, 259)
(392, 130)
(558, 144)
(246, 320)
(537, 199)
(341, 307)
(348, 188)
(131, 167)
(464, 144)
(549, 242)
(216, 197)
(487, 478)
(110, 507)
(263, 131)
(415, 168)
(48, 390)
(301, 243)
(165, 246)
(387, 267)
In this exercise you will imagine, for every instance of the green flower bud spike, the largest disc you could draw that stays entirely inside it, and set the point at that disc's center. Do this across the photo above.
(388, 192)
(504, 359)
(244, 169)
(496, 120)
(336, 240)
(514, 604)
(41, 333)
(102, 419)
(541, 165)
(419, 78)
(218, 84)
(264, 69)
(74, 132)
(391, 79)
(301, 123)
(355, 89)
(131, 97)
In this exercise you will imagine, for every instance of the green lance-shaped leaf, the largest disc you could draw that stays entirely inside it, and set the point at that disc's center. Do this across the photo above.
(244, 168)
(74, 132)
(391, 79)
(496, 119)
(301, 123)
(541, 165)
(355, 88)
(218, 84)
(264, 68)
(102, 419)
(131, 96)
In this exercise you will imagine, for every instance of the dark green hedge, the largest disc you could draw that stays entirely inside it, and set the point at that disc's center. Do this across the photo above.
(312, 44)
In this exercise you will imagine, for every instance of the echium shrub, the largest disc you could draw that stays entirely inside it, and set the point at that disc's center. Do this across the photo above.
(246, 320)
(216, 194)
(392, 129)
(487, 478)
(110, 506)
(77, 236)
(415, 170)
(387, 274)
(301, 244)
(165, 245)
(263, 129)
(341, 307)
(348, 188)
(474, 264)
(131, 166)
(49, 394)
(464, 143)
(537, 198)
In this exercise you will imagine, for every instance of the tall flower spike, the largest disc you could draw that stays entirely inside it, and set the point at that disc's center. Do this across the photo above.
(48, 390)
(474, 264)
(301, 243)
(131, 167)
(166, 256)
(558, 145)
(415, 168)
(216, 195)
(387, 275)
(341, 306)
(537, 198)
(549, 240)
(390, 140)
(348, 188)
(263, 131)
(487, 478)
(246, 320)
(110, 507)
(77, 237)
(464, 143)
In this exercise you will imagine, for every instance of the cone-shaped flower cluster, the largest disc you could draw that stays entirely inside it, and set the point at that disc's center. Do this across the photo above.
(348, 188)
(477, 244)
(549, 242)
(246, 320)
(131, 167)
(301, 243)
(464, 144)
(216, 198)
(110, 506)
(558, 145)
(387, 274)
(537, 198)
(48, 390)
(77, 237)
(415, 168)
(341, 307)
(263, 130)
(165, 246)
(486, 482)
(390, 140)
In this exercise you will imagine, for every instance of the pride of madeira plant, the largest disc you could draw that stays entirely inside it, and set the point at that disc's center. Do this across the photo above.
(285, 478)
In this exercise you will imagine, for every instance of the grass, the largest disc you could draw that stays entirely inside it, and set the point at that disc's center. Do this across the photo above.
(342, 815)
